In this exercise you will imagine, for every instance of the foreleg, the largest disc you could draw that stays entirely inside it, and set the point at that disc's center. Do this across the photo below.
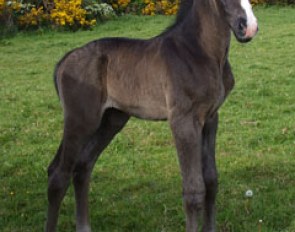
(209, 172)
(187, 133)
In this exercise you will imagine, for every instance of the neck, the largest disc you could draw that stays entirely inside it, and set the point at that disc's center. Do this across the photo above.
(203, 22)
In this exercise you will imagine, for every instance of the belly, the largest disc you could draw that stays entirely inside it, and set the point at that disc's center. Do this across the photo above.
(138, 106)
(142, 96)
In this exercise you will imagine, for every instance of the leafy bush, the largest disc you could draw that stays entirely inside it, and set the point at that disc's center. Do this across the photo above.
(65, 14)
(68, 13)
(166, 7)
(145, 7)
(31, 17)
(122, 6)
(8, 16)
(101, 11)
(272, 2)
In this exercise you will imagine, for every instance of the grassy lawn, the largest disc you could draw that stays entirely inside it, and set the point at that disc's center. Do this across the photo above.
(136, 183)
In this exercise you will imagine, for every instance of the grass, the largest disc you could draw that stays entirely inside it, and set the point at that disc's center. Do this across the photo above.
(136, 183)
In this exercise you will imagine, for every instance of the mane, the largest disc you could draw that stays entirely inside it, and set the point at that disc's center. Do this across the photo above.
(183, 12)
(187, 5)
(184, 9)
(186, 13)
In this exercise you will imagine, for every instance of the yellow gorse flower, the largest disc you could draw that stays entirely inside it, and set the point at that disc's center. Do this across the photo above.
(167, 7)
(34, 17)
(64, 13)
(70, 13)
(13, 5)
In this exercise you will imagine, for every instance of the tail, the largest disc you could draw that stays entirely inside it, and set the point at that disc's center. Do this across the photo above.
(56, 71)
(55, 79)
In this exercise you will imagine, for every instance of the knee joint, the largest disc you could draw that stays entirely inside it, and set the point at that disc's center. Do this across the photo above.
(211, 179)
(81, 171)
(194, 200)
(57, 183)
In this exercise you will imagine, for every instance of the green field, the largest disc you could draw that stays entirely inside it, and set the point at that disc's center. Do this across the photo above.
(136, 184)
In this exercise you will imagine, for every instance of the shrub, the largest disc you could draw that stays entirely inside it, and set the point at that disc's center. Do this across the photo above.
(31, 17)
(8, 17)
(256, 2)
(101, 11)
(145, 7)
(69, 14)
(166, 7)
(272, 2)
(121, 6)
(65, 14)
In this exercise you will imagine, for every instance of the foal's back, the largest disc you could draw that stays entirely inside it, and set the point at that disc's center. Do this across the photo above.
(128, 73)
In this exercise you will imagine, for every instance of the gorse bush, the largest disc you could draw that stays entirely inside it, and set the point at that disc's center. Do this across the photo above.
(145, 7)
(9, 11)
(166, 7)
(65, 14)
(123, 6)
(70, 14)
(31, 16)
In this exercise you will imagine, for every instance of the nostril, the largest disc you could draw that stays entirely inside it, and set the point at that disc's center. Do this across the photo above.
(242, 24)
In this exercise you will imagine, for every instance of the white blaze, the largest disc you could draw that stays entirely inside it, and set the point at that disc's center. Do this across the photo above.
(251, 19)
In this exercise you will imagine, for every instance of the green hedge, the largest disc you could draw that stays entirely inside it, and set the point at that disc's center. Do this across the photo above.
(273, 2)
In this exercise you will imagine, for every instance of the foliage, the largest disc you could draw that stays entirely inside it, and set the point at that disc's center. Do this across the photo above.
(101, 11)
(272, 2)
(67, 14)
(145, 7)
(166, 7)
(124, 6)
(256, 2)
(31, 16)
(8, 16)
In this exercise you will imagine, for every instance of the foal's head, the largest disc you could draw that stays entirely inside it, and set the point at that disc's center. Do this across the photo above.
(240, 17)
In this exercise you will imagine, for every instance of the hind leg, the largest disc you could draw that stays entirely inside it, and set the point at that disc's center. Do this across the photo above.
(60, 170)
(82, 105)
(209, 172)
(113, 121)
(54, 163)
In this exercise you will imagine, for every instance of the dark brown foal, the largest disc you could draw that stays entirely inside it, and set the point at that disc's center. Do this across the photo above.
(183, 76)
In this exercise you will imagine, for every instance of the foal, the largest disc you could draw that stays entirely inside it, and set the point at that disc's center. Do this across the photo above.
(183, 75)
